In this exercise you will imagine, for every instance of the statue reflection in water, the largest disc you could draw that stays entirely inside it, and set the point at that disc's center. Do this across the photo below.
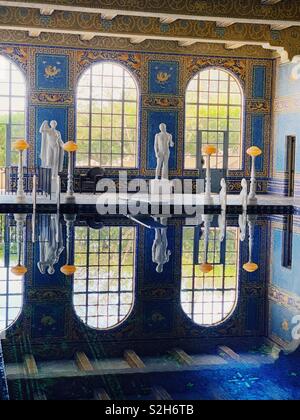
(51, 245)
(160, 253)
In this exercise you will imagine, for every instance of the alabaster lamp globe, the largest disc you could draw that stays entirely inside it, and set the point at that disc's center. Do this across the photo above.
(254, 151)
(209, 150)
(250, 267)
(68, 270)
(21, 145)
(206, 268)
(70, 147)
(19, 270)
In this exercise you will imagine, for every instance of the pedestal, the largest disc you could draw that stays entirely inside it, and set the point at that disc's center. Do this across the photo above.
(21, 199)
(208, 200)
(252, 201)
(53, 185)
(70, 199)
(161, 187)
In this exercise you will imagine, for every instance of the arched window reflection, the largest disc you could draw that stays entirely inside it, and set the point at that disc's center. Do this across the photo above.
(209, 299)
(11, 285)
(105, 276)
(12, 110)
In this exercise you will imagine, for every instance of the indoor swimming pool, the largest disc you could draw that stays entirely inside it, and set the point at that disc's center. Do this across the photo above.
(107, 306)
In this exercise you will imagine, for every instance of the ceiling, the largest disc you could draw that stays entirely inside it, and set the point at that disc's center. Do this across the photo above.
(271, 24)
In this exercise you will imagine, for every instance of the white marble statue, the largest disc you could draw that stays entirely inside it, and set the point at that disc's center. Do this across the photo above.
(160, 253)
(244, 194)
(52, 152)
(163, 142)
(243, 225)
(223, 195)
(51, 245)
(222, 225)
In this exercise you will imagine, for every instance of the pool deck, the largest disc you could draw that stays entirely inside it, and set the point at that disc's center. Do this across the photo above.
(88, 202)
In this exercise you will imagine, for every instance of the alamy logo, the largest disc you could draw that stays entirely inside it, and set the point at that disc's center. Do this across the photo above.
(141, 197)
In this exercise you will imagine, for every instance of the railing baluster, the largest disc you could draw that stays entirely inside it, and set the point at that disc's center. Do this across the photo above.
(34, 198)
(58, 192)
(42, 176)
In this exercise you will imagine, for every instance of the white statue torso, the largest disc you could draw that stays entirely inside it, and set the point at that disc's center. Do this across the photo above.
(52, 154)
(163, 143)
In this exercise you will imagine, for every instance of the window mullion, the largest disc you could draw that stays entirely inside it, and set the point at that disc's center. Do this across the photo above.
(123, 119)
(91, 115)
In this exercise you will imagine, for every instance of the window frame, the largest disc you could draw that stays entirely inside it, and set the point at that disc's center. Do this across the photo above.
(90, 113)
(13, 66)
(9, 237)
(199, 165)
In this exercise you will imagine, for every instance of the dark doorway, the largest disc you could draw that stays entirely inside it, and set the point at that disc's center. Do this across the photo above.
(291, 163)
(287, 243)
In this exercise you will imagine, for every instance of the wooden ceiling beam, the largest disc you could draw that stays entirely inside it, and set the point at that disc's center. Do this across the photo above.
(224, 24)
(140, 30)
(47, 11)
(87, 37)
(187, 43)
(270, 2)
(234, 45)
(34, 33)
(279, 14)
(168, 20)
(109, 16)
(137, 40)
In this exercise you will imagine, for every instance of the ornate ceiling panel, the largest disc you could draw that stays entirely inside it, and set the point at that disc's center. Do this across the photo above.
(128, 19)
(240, 9)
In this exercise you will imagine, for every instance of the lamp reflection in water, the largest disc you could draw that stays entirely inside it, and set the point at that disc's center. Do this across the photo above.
(250, 266)
(20, 269)
(69, 269)
(208, 151)
(205, 267)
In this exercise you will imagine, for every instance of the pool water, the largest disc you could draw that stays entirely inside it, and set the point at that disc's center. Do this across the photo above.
(121, 301)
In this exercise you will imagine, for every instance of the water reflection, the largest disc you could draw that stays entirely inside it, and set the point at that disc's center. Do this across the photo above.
(105, 276)
(160, 252)
(209, 287)
(99, 259)
(50, 243)
(11, 284)
(115, 299)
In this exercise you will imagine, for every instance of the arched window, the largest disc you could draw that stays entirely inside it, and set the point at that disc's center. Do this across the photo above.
(104, 281)
(211, 298)
(214, 115)
(12, 110)
(11, 286)
(107, 117)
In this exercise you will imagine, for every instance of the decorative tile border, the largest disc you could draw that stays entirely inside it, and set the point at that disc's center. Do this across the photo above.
(50, 98)
(283, 298)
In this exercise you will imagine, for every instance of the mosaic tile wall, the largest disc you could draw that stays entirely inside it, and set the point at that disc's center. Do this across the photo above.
(284, 289)
(53, 97)
(286, 123)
